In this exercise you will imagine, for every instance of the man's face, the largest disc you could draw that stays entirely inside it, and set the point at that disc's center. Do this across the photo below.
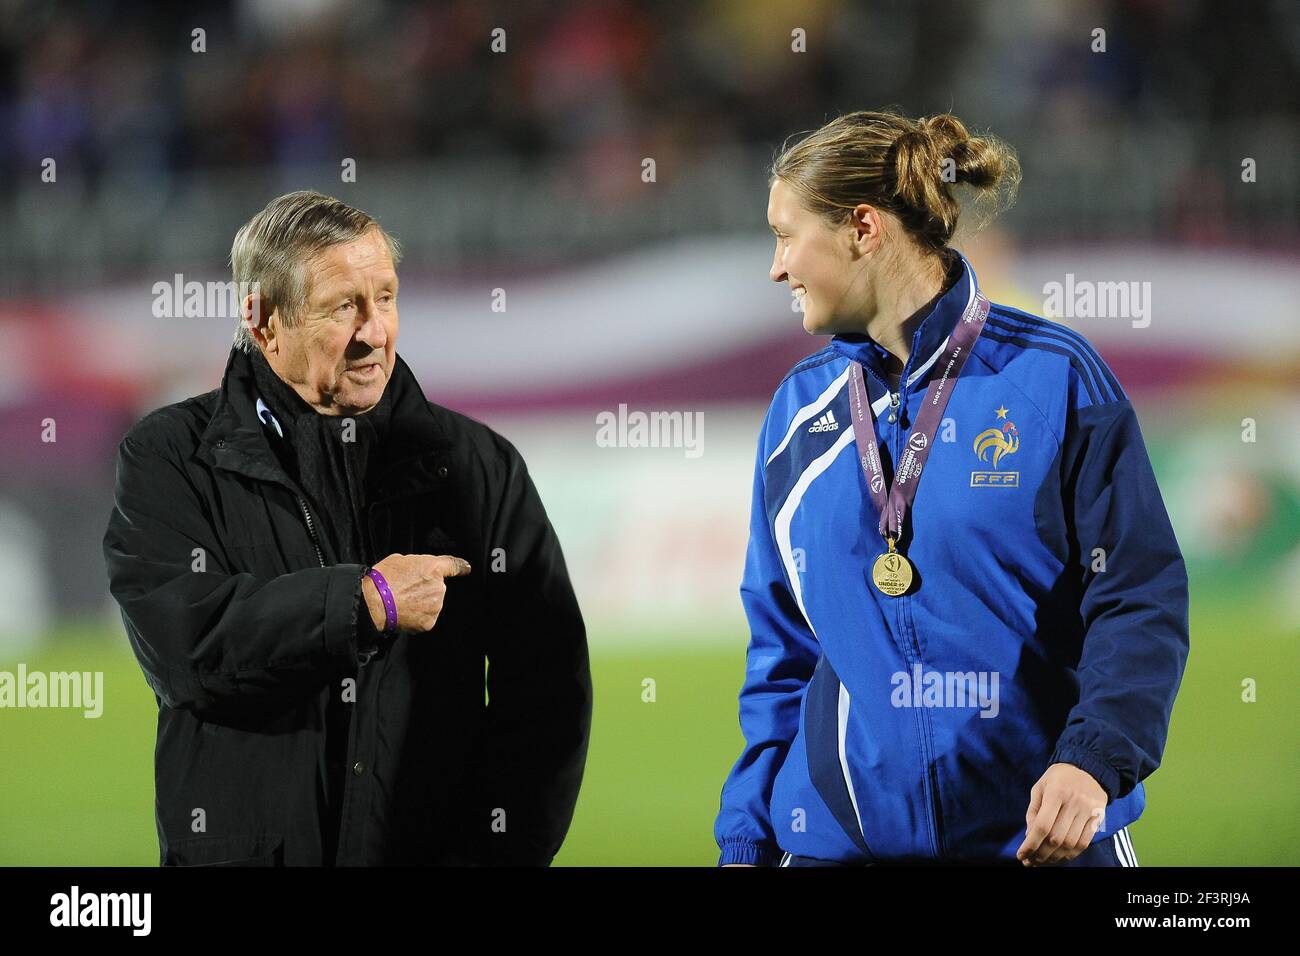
(340, 354)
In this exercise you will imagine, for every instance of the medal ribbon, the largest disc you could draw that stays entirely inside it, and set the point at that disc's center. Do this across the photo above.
(894, 506)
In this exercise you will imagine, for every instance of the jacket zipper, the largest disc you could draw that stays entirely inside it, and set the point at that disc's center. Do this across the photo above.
(311, 529)
(923, 723)
(363, 660)
(904, 605)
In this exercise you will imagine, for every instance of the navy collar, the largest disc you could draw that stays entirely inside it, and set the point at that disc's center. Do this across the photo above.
(930, 337)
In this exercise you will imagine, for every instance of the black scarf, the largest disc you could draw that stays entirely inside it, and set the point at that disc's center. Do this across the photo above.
(328, 456)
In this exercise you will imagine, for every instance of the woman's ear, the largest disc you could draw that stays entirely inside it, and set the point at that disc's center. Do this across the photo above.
(868, 229)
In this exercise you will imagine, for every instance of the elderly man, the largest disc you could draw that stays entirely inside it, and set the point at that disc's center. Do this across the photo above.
(348, 600)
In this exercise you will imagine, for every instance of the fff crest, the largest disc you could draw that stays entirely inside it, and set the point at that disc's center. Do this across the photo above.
(992, 446)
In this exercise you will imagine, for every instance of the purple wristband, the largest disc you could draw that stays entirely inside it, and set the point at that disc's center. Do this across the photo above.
(386, 594)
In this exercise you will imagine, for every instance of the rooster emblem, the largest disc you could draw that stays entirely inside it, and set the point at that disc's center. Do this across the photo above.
(1003, 441)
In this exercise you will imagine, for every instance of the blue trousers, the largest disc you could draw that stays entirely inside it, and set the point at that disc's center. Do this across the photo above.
(1114, 850)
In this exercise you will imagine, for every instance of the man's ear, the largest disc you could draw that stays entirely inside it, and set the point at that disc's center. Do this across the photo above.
(260, 324)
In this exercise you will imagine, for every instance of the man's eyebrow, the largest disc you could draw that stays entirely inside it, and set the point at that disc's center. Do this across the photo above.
(346, 292)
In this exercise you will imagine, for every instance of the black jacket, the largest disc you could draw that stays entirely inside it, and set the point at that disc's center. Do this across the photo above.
(466, 744)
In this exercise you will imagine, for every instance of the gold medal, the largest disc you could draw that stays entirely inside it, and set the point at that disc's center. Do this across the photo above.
(892, 573)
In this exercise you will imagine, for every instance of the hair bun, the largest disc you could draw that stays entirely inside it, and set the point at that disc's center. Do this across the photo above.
(982, 163)
(946, 132)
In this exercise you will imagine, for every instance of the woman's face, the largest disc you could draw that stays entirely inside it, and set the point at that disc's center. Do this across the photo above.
(824, 265)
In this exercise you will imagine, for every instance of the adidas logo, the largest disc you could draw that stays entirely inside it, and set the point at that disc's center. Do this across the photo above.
(826, 423)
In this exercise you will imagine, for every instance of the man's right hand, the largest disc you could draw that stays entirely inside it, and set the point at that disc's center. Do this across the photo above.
(418, 585)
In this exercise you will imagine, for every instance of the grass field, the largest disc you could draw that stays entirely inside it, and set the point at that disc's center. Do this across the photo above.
(80, 792)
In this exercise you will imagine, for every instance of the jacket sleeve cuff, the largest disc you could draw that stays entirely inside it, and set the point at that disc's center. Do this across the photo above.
(1101, 771)
(742, 851)
(368, 636)
(341, 590)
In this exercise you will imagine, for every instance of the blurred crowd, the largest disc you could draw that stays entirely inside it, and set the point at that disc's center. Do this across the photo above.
(474, 125)
(122, 86)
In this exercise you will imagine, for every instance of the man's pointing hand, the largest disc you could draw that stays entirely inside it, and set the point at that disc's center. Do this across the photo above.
(418, 583)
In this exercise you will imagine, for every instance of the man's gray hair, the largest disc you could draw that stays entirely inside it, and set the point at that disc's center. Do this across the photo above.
(273, 248)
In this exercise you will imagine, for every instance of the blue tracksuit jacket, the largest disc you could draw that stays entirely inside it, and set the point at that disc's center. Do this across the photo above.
(1049, 624)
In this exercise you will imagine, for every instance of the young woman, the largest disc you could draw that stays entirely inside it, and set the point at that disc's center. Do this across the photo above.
(968, 610)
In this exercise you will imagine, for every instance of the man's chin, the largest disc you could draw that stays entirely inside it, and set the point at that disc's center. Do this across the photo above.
(358, 401)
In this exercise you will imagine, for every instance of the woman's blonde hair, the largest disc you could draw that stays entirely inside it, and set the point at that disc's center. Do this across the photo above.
(906, 167)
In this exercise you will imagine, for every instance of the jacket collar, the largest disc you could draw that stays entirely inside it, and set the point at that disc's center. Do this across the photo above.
(930, 337)
(238, 439)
